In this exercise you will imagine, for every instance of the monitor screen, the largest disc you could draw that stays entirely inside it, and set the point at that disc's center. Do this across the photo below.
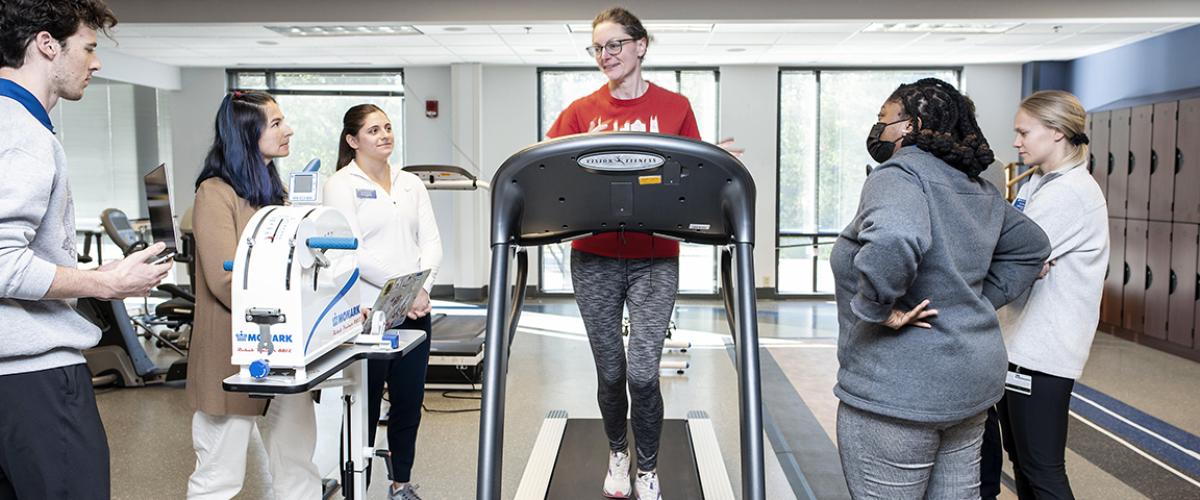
(158, 203)
(302, 184)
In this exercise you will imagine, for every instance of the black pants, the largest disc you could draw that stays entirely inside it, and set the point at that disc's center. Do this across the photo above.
(52, 443)
(405, 379)
(1033, 430)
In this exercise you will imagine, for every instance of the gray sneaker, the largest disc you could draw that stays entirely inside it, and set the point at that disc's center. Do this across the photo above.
(408, 492)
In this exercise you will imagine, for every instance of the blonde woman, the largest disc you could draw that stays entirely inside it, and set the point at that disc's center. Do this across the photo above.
(1048, 331)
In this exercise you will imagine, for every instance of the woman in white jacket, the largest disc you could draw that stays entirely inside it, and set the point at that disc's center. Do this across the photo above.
(390, 212)
(1048, 331)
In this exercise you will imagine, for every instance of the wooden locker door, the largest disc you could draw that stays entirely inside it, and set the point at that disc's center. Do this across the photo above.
(1158, 279)
(1118, 156)
(1187, 163)
(1141, 129)
(1114, 281)
(1162, 161)
(1099, 149)
(1134, 294)
(1185, 240)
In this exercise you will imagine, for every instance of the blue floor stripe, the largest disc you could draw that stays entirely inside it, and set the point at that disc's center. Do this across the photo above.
(1164, 429)
(1155, 447)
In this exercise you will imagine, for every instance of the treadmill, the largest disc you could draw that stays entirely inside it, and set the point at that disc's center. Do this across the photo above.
(671, 187)
(456, 339)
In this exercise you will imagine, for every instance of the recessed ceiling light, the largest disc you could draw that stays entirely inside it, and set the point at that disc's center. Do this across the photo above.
(543, 50)
(454, 29)
(919, 27)
(956, 39)
(268, 42)
(345, 30)
(736, 49)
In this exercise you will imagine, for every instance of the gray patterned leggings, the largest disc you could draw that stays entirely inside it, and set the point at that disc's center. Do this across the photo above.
(603, 287)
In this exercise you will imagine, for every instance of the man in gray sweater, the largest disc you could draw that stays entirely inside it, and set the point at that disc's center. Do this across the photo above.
(52, 443)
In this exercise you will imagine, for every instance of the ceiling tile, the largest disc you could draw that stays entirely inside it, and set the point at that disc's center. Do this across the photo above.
(744, 38)
(884, 39)
(679, 38)
(481, 50)
(536, 40)
(789, 27)
(534, 29)
(467, 39)
(449, 29)
(812, 38)
(1050, 28)
(1128, 27)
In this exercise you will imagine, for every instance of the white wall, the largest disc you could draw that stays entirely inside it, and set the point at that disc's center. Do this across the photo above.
(996, 90)
(749, 113)
(509, 116)
(429, 141)
(193, 110)
(129, 69)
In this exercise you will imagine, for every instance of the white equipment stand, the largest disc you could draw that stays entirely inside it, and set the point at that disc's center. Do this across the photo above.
(297, 319)
(346, 358)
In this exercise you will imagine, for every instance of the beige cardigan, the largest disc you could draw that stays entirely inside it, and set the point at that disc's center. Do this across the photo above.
(219, 216)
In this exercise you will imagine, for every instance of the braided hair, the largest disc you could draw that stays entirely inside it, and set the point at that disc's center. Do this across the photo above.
(945, 126)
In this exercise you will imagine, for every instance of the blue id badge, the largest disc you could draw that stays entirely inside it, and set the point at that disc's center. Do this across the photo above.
(1019, 204)
(368, 194)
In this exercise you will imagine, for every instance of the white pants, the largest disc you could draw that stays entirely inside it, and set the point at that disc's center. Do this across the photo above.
(289, 432)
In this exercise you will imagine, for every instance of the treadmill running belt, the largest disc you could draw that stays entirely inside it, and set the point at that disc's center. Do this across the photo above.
(454, 328)
(583, 460)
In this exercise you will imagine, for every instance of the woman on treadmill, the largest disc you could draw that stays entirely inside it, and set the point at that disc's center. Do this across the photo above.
(613, 270)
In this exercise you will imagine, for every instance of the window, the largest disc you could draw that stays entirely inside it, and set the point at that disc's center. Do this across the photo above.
(824, 118)
(313, 103)
(558, 89)
(99, 138)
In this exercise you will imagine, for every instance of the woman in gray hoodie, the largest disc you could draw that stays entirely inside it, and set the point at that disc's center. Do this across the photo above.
(920, 271)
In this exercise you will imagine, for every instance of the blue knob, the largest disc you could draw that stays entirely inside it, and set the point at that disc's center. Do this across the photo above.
(228, 265)
(260, 368)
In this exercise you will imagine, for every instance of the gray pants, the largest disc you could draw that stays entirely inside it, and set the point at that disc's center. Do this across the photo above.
(894, 459)
(603, 287)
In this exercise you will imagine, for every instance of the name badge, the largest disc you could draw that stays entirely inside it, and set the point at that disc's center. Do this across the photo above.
(1019, 383)
(366, 194)
(1019, 204)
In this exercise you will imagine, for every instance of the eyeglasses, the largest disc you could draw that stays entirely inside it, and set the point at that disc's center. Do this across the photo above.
(613, 47)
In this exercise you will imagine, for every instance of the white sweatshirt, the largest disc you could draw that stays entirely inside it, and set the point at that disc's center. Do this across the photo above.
(37, 236)
(1050, 328)
(397, 233)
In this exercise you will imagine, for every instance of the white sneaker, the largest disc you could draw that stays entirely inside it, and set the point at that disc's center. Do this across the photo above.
(616, 482)
(647, 486)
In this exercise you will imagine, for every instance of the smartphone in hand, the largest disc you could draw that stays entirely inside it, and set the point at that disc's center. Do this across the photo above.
(162, 258)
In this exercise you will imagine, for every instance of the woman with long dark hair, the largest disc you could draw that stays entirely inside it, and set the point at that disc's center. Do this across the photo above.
(239, 177)
(392, 216)
(915, 383)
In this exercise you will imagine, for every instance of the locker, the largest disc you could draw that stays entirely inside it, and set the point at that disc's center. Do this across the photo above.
(1187, 163)
(1118, 157)
(1162, 161)
(1114, 280)
(1099, 149)
(1158, 279)
(1140, 133)
(1185, 240)
(1134, 294)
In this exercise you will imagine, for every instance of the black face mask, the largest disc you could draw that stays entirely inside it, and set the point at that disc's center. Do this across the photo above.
(881, 150)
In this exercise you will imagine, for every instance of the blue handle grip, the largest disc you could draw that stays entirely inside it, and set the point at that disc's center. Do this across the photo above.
(228, 265)
(332, 243)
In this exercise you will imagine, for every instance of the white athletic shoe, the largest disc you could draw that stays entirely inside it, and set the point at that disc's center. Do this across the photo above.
(616, 482)
(647, 486)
